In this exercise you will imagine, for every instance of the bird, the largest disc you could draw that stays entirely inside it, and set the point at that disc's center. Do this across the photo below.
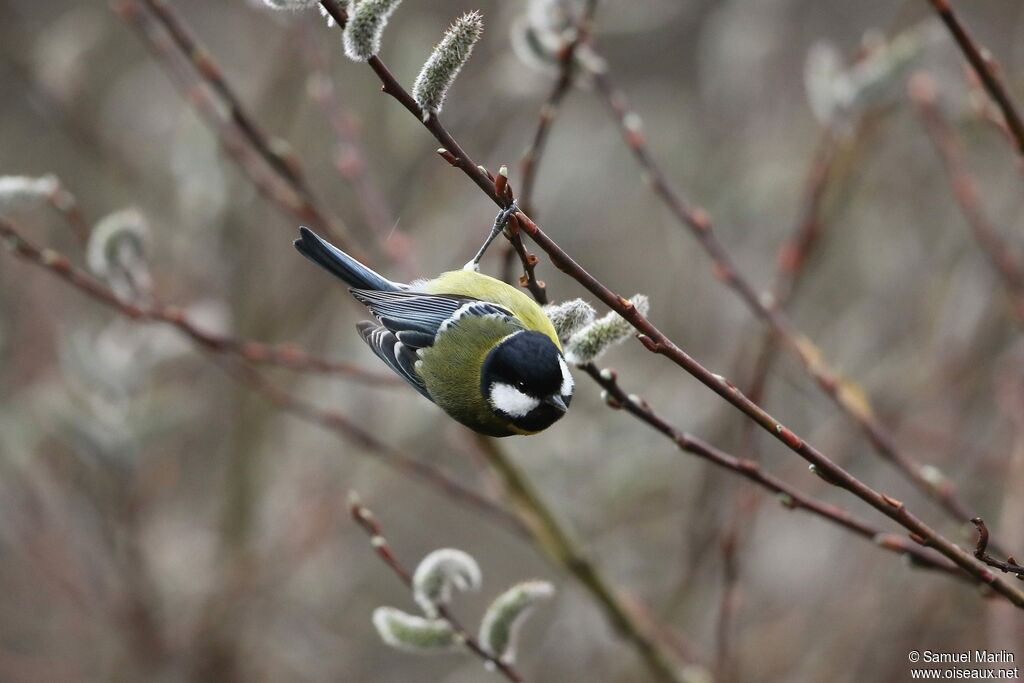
(481, 350)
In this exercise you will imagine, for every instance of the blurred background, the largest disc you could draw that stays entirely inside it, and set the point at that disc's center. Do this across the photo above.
(162, 520)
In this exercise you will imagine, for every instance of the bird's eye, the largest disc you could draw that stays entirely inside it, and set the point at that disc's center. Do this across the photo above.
(521, 385)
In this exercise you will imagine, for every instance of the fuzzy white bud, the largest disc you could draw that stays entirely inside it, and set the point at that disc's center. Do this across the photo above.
(838, 94)
(18, 192)
(366, 26)
(569, 317)
(501, 623)
(438, 573)
(589, 343)
(116, 252)
(414, 634)
(445, 63)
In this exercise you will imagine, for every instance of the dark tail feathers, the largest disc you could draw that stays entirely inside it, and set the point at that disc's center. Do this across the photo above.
(340, 264)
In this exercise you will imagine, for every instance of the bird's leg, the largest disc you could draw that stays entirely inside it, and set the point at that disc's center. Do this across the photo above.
(499, 224)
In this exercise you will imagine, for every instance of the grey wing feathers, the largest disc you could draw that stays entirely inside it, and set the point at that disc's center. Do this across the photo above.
(417, 317)
(398, 356)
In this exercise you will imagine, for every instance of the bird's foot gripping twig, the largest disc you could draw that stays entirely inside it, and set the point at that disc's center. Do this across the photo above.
(500, 221)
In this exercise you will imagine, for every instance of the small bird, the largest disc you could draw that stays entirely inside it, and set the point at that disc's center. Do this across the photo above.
(480, 349)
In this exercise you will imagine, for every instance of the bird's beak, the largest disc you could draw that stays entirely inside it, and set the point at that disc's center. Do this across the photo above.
(556, 402)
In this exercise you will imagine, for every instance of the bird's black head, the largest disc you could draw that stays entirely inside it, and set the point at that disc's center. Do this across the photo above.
(526, 381)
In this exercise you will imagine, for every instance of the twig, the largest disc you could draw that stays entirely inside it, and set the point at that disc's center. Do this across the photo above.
(725, 662)
(350, 431)
(368, 523)
(67, 205)
(530, 163)
(351, 161)
(792, 261)
(655, 341)
(290, 356)
(998, 251)
(61, 266)
(652, 652)
(790, 497)
(849, 401)
(1008, 567)
(981, 61)
(276, 174)
(560, 547)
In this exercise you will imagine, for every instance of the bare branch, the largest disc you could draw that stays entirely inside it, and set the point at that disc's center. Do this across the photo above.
(981, 61)
(1008, 567)
(1000, 254)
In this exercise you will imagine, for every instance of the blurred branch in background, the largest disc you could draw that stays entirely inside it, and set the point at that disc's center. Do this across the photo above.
(848, 396)
(61, 266)
(351, 160)
(789, 497)
(986, 68)
(656, 342)
(1004, 257)
(277, 173)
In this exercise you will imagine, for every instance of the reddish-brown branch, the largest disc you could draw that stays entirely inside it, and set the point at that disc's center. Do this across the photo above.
(984, 66)
(530, 163)
(850, 401)
(791, 497)
(288, 356)
(725, 662)
(61, 266)
(368, 523)
(657, 342)
(351, 161)
(792, 260)
(1010, 566)
(1003, 258)
(277, 175)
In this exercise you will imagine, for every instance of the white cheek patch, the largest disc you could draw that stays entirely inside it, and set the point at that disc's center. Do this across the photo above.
(567, 382)
(511, 401)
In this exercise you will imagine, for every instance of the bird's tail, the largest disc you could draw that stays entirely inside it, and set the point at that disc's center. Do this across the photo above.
(340, 264)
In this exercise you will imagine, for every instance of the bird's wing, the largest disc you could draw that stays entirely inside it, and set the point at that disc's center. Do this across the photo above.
(397, 355)
(416, 318)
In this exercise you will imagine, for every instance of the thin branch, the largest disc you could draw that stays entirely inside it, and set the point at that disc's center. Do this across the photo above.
(981, 61)
(655, 341)
(560, 547)
(848, 400)
(1000, 254)
(530, 162)
(368, 523)
(61, 266)
(653, 653)
(790, 497)
(278, 175)
(289, 356)
(350, 160)
(725, 660)
(1010, 566)
(344, 427)
(792, 261)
